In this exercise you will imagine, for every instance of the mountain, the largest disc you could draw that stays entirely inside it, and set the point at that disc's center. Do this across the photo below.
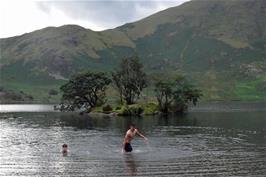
(220, 44)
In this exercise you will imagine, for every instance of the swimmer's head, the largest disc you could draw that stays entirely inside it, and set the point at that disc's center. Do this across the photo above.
(64, 149)
(132, 126)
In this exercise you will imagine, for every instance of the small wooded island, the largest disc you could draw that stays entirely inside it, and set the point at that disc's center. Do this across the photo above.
(86, 91)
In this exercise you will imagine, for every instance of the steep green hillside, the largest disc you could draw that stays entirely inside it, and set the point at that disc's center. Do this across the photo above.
(235, 22)
(219, 44)
(56, 51)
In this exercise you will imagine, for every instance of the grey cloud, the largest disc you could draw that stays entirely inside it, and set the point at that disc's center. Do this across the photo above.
(107, 14)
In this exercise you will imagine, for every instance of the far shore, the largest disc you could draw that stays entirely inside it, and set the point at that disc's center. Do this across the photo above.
(206, 106)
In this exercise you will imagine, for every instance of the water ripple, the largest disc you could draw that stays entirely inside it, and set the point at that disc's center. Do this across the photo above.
(33, 149)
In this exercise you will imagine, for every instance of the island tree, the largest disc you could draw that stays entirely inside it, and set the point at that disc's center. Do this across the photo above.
(84, 90)
(130, 79)
(164, 94)
(175, 94)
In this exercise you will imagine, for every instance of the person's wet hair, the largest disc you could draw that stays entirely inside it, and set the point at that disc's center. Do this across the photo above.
(132, 125)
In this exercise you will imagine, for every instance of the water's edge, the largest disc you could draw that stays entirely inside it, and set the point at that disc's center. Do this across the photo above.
(217, 106)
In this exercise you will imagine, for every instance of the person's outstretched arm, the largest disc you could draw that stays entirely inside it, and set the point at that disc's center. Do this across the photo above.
(146, 139)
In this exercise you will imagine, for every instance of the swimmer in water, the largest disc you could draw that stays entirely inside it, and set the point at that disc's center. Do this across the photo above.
(64, 149)
(129, 136)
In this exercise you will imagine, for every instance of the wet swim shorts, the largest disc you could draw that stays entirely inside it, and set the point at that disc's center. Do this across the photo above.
(128, 147)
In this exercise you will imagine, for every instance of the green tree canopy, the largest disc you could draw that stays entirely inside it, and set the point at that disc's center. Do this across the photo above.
(84, 90)
(175, 94)
(130, 79)
(164, 94)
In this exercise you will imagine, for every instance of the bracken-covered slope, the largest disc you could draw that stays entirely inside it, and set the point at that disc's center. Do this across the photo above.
(220, 44)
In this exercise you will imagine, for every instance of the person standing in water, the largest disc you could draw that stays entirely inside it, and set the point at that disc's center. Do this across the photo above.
(129, 136)
(64, 149)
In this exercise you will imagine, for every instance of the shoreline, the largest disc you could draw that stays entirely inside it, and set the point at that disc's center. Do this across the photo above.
(214, 106)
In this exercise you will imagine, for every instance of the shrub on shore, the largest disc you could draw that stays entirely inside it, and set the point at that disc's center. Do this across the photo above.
(129, 110)
(107, 108)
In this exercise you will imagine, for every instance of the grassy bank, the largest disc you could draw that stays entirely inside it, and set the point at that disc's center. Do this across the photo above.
(128, 110)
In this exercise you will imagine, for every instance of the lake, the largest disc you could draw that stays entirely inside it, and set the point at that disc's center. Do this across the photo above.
(4, 108)
(200, 143)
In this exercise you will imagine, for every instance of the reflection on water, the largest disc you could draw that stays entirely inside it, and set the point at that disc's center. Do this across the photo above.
(26, 108)
(195, 144)
(130, 164)
(228, 106)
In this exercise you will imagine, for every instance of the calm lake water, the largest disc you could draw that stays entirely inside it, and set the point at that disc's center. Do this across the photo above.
(4, 108)
(200, 143)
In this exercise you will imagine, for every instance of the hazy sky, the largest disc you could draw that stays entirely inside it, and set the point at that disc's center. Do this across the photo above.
(21, 16)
